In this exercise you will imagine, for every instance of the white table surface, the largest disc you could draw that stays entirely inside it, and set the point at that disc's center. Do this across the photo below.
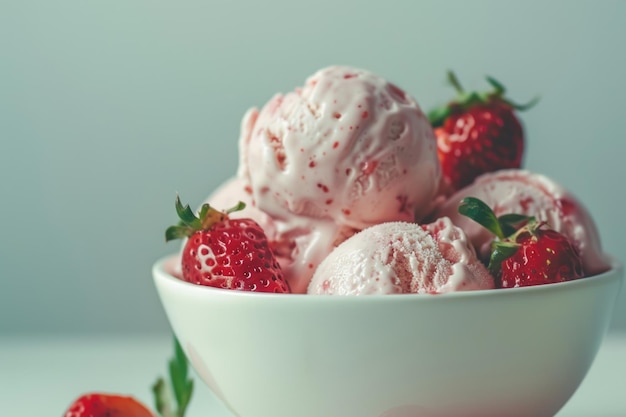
(40, 376)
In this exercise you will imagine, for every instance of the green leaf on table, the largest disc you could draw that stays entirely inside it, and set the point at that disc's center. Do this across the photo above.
(181, 386)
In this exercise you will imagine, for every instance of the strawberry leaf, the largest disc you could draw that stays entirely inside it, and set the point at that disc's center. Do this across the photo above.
(525, 106)
(497, 86)
(500, 252)
(178, 232)
(454, 82)
(203, 211)
(438, 116)
(482, 214)
(471, 98)
(182, 386)
(499, 92)
(161, 398)
(186, 215)
(240, 206)
(466, 100)
(190, 223)
(511, 222)
(514, 218)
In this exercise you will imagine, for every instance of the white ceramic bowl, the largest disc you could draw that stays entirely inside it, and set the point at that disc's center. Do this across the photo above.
(512, 352)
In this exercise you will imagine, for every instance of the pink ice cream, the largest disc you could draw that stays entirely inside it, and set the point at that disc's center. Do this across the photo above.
(346, 151)
(531, 194)
(348, 147)
(399, 257)
(232, 192)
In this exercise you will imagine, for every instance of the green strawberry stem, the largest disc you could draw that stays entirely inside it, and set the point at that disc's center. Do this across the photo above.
(526, 106)
(465, 100)
(506, 228)
(181, 386)
(240, 206)
(454, 82)
(190, 223)
(498, 88)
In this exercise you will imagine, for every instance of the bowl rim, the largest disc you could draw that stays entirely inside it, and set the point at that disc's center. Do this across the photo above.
(615, 272)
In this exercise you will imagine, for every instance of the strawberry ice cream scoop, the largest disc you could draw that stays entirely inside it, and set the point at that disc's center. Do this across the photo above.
(530, 194)
(399, 257)
(348, 147)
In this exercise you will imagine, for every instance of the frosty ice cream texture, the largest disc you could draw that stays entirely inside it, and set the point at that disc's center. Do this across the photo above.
(399, 257)
(346, 151)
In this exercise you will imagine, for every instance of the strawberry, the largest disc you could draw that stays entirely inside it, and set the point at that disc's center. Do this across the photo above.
(226, 253)
(115, 405)
(107, 405)
(477, 133)
(526, 252)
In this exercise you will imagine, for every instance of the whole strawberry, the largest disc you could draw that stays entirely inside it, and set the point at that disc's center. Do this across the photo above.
(543, 256)
(107, 405)
(477, 133)
(526, 252)
(226, 253)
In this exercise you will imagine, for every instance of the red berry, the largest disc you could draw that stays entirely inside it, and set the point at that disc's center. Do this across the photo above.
(476, 134)
(226, 253)
(544, 256)
(525, 252)
(483, 138)
(107, 405)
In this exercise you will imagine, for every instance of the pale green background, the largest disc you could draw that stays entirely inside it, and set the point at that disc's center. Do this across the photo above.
(108, 108)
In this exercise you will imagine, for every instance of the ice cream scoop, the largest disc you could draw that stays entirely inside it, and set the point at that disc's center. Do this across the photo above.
(530, 194)
(346, 151)
(348, 147)
(399, 257)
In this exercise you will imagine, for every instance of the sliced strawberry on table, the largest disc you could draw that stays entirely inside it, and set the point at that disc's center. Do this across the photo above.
(477, 133)
(526, 252)
(226, 253)
(116, 405)
(107, 405)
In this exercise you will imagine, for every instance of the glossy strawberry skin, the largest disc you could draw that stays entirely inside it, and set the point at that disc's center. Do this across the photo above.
(483, 138)
(107, 405)
(544, 257)
(232, 254)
